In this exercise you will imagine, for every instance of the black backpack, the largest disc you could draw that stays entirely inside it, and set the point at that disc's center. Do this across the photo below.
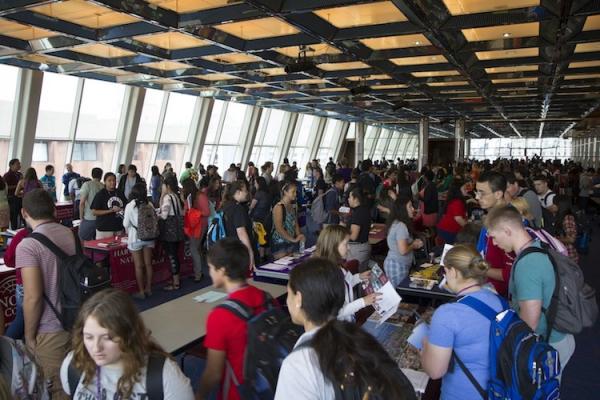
(154, 377)
(548, 218)
(78, 279)
(271, 337)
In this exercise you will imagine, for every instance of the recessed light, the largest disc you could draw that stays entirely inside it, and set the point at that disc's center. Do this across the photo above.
(506, 34)
(417, 43)
(433, 58)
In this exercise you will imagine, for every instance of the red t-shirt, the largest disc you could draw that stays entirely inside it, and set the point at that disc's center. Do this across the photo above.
(499, 259)
(227, 332)
(456, 208)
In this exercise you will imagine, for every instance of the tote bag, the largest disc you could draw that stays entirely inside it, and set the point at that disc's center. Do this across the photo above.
(171, 228)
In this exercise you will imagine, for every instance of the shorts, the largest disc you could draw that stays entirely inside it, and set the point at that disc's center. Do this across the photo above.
(140, 244)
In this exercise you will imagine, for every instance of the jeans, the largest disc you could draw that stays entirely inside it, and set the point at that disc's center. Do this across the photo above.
(87, 229)
(172, 250)
(565, 349)
(198, 257)
(16, 329)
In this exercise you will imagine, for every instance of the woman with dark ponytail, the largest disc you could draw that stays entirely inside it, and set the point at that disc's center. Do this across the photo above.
(333, 357)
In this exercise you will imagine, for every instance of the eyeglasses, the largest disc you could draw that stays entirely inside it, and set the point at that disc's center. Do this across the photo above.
(479, 193)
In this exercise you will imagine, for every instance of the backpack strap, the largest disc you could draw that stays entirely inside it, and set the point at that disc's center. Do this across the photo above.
(469, 375)
(237, 308)
(73, 376)
(154, 376)
(482, 308)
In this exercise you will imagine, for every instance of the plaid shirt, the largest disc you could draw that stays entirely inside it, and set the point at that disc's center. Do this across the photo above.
(570, 229)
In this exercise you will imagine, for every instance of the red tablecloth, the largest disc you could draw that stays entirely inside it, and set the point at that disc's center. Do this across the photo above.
(121, 263)
(7, 292)
(64, 210)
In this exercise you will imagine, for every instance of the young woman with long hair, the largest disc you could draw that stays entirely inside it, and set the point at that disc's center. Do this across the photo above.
(458, 329)
(565, 225)
(195, 199)
(237, 221)
(170, 205)
(155, 185)
(455, 216)
(286, 231)
(332, 244)
(28, 183)
(111, 350)
(333, 357)
(141, 250)
(400, 239)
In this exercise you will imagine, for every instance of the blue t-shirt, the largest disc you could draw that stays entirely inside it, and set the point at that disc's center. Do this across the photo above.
(463, 329)
(532, 278)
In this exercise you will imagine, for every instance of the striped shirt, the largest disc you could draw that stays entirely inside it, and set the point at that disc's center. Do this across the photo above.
(32, 254)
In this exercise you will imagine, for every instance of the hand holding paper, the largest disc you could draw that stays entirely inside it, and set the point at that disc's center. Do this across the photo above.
(420, 332)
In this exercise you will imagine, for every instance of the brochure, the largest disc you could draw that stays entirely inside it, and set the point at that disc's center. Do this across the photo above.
(274, 267)
(388, 303)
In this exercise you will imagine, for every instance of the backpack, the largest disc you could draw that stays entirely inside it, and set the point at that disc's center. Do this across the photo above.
(548, 218)
(192, 221)
(317, 209)
(147, 227)
(271, 337)
(548, 239)
(216, 230)
(522, 365)
(23, 376)
(154, 377)
(171, 228)
(78, 279)
(573, 305)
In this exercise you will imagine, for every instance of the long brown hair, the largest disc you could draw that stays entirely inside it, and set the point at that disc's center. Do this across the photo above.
(328, 242)
(114, 310)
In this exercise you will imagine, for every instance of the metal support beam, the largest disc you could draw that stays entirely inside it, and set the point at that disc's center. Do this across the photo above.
(423, 142)
(200, 127)
(128, 126)
(467, 148)
(459, 140)
(27, 104)
(321, 123)
(359, 145)
(254, 121)
(287, 138)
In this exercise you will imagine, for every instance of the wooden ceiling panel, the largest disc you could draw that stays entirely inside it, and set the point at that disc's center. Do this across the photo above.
(258, 28)
(232, 58)
(317, 50)
(167, 65)
(343, 66)
(85, 13)
(103, 50)
(419, 60)
(171, 40)
(187, 6)
(430, 74)
(461, 7)
(22, 31)
(516, 68)
(502, 32)
(381, 12)
(396, 42)
(513, 53)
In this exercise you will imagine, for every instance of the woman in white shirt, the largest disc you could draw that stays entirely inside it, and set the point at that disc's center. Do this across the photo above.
(171, 205)
(113, 355)
(141, 250)
(333, 245)
(333, 359)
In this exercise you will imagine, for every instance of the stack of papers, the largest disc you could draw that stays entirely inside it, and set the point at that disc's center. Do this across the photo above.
(274, 267)
(417, 378)
(288, 260)
(210, 297)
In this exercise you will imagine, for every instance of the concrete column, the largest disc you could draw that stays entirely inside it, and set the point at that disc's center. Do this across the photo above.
(359, 145)
(27, 104)
(288, 133)
(467, 148)
(129, 124)
(423, 141)
(252, 129)
(459, 140)
(199, 128)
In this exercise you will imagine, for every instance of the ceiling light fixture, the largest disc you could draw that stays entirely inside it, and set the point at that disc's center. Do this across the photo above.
(417, 43)
(506, 34)
(302, 64)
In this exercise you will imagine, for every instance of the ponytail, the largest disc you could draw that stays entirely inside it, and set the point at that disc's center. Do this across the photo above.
(352, 359)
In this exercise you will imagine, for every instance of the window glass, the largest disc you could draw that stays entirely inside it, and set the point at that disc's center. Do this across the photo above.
(351, 134)
(150, 115)
(100, 112)
(232, 127)
(331, 128)
(4, 143)
(87, 155)
(142, 158)
(8, 90)
(56, 106)
(273, 134)
(207, 155)
(303, 130)
(170, 152)
(215, 117)
(180, 108)
(226, 155)
(52, 152)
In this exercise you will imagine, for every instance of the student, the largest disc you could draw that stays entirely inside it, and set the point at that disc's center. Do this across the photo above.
(429, 196)
(68, 177)
(155, 185)
(87, 227)
(4, 207)
(359, 223)
(28, 183)
(457, 328)
(267, 171)
(532, 282)
(108, 206)
(226, 333)
(127, 181)
(111, 349)
(331, 200)
(237, 221)
(170, 205)
(333, 354)
(196, 200)
(286, 230)
(49, 181)
(565, 225)
(400, 240)
(141, 250)
(546, 197)
(332, 244)
(455, 216)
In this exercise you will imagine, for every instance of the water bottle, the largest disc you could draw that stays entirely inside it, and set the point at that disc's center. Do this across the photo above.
(301, 247)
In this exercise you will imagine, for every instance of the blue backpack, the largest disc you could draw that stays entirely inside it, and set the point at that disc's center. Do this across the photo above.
(216, 229)
(522, 365)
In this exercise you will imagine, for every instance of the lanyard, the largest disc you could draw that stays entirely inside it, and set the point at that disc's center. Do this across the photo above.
(467, 288)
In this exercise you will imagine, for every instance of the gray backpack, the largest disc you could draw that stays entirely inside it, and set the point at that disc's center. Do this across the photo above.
(20, 371)
(573, 305)
(317, 209)
(147, 228)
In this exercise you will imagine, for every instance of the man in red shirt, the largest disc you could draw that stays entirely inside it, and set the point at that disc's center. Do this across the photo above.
(226, 333)
(490, 194)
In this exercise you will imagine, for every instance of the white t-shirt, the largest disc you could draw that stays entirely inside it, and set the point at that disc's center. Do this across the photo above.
(300, 377)
(176, 385)
(547, 199)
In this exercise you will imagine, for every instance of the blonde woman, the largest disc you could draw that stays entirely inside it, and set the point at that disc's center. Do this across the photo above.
(113, 354)
(457, 328)
(332, 244)
(521, 205)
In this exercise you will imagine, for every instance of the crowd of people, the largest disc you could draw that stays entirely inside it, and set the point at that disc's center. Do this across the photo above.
(490, 211)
